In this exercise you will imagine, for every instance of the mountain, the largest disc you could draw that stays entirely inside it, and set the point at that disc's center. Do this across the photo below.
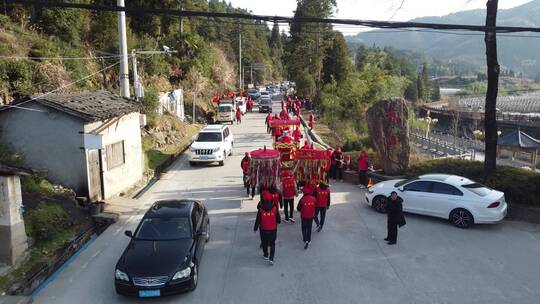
(516, 53)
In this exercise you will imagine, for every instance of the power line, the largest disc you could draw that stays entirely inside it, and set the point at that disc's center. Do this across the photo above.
(243, 16)
(18, 106)
(58, 58)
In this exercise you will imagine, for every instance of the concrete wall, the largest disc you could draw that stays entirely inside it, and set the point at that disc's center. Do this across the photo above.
(123, 177)
(12, 233)
(49, 141)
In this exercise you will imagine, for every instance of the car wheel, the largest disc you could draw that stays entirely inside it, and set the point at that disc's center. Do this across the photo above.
(192, 163)
(461, 218)
(194, 277)
(379, 204)
(222, 162)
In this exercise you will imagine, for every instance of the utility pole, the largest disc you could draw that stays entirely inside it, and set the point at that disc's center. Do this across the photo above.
(122, 40)
(193, 109)
(181, 20)
(240, 57)
(136, 82)
(493, 70)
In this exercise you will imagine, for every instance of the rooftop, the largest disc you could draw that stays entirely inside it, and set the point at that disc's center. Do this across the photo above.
(11, 170)
(89, 106)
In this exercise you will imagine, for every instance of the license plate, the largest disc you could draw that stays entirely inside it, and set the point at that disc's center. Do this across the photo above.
(149, 293)
(203, 158)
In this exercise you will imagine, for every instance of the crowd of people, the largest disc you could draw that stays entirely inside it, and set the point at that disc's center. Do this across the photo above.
(315, 195)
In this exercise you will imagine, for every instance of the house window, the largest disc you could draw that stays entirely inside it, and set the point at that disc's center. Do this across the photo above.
(115, 155)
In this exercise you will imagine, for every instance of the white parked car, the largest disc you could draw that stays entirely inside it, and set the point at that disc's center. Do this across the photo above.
(226, 113)
(214, 143)
(462, 201)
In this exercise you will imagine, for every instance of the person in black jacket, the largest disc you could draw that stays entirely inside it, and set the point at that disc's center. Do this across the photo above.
(267, 220)
(394, 211)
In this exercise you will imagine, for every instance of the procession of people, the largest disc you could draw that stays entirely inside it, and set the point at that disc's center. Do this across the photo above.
(297, 171)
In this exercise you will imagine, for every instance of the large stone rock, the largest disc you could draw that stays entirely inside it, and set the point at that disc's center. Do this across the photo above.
(389, 130)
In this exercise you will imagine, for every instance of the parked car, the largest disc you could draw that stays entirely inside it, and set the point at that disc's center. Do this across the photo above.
(226, 113)
(460, 200)
(254, 93)
(214, 143)
(165, 251)
(265, 105)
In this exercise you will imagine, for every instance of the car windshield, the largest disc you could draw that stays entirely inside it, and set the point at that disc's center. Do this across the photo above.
(264, 93)
(209, 137)
(164, 229)
(252, 91)
(224, 109)
(478, 189)
(403, 182)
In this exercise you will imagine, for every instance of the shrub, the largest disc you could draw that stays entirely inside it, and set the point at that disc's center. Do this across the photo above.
(36, 184)
(519, 186)
(46, 221)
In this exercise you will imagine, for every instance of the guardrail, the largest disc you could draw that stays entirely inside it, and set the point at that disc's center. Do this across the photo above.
(439, 148)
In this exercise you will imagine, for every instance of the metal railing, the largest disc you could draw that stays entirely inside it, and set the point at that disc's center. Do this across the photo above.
(439, 148)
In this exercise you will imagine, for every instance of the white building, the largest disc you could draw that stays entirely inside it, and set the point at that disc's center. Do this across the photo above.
(90, 142)
(172, 102)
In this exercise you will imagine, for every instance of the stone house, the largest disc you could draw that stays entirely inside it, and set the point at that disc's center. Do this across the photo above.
(90, 142)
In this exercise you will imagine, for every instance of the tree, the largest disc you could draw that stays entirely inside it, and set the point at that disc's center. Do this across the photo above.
(337, 64)
(425, 81)
(493, 69)
(360, 57)
(420, 88)
(411, 92)
(435, 91)
(309, 42)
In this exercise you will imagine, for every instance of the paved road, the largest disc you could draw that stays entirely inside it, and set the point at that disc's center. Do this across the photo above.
(348, 262)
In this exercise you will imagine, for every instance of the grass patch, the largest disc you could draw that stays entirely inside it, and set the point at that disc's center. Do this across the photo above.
(36, 184)
(38, 256)
(168, 126)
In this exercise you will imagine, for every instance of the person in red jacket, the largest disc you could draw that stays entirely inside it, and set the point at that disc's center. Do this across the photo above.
(284, 115)
(244, 164)
(322, 195)
(288, 184)
(310, 122)
(277, 132)
(267, 220)
(276, 197)
(306, 206)
(238, 115)
(363, 166)
(297, 134)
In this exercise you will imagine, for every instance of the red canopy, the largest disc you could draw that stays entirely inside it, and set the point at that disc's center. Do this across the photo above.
(284, 122)
(311, 154)
(265, 154)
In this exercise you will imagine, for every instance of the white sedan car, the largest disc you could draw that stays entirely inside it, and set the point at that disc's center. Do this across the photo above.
(462, 201)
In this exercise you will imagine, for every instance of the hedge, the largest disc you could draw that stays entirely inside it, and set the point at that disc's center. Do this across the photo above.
(519, 186)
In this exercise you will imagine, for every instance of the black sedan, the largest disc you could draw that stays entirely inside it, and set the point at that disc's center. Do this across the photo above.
(165, 250)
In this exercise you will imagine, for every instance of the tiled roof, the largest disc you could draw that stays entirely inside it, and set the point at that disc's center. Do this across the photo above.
(519, 139)
(90, 106)
(10, 170)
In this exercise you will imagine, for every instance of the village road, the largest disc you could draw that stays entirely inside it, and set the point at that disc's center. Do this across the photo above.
(348, 262)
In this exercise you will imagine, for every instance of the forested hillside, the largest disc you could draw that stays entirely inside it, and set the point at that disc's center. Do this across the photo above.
(517, 53)
(207, 58)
